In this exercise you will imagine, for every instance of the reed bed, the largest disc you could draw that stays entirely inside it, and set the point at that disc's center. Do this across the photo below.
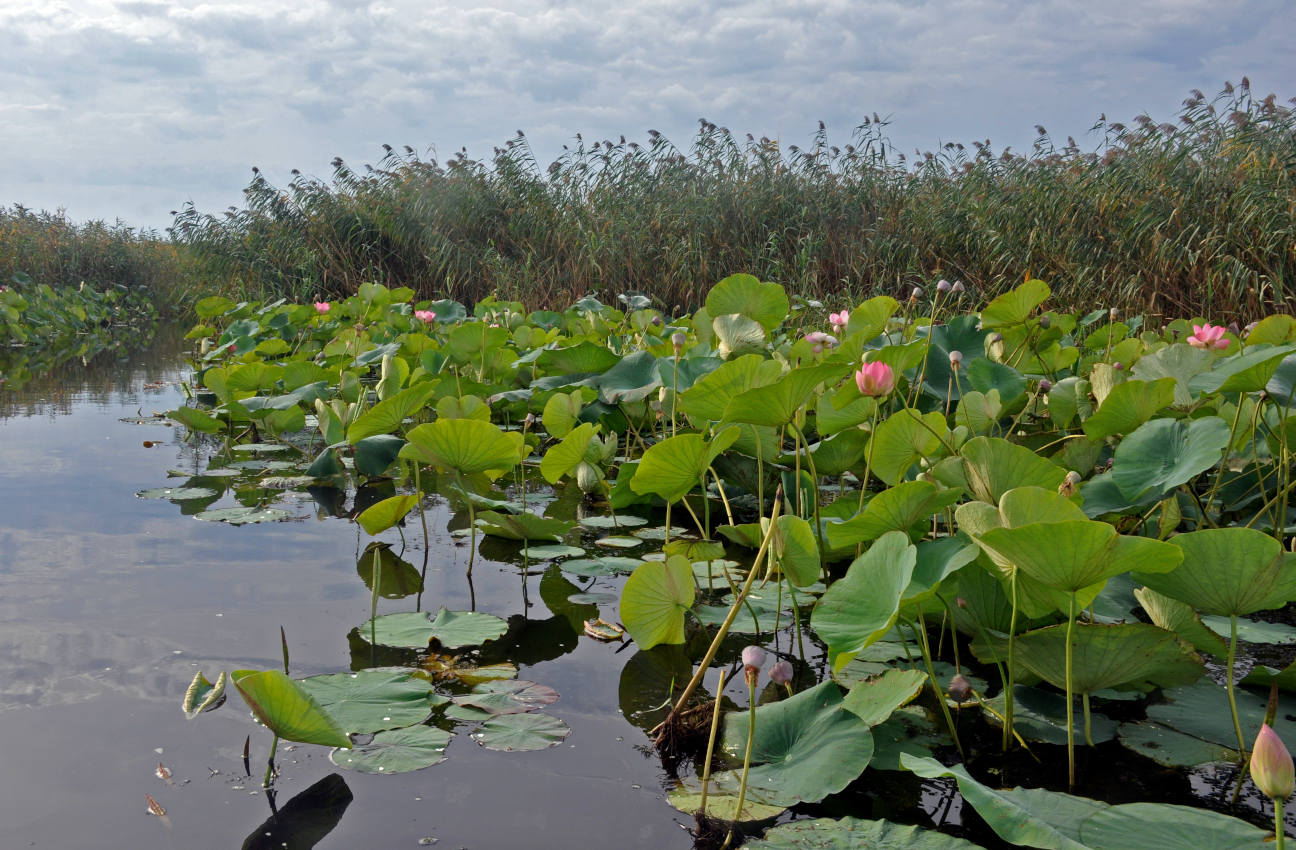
(1185, 218)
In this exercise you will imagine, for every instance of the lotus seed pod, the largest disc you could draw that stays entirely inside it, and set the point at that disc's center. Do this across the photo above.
(587, 477)
(677, 340)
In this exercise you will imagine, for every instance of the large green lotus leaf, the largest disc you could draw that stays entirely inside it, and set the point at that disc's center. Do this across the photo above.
(987, 376)
(873, 700)
(1180, 618)
(977, 411)
(561, 412)
(633, 379)
(902, 440)
(937, 560)
(859, 608)
(674, 466)
(288, 709)
(1078, 554)
(386, 416)
(840, 453)
(908, 730)
(1163, 826)
(962, 334)
(415, 629)
(1228, 571)
(202, 695)
(1069, 397)
(514, 733)
(582, 357)
(462, 407)
(397, 578)
(1128, 406)
(1025, 505)
(1015, 306)
(1164, 453)
(897, 508)
(1193, 725)
(516, 696)
(1282, 386)
(708, 398)
(372, 700)
(764, 303)
(177, 494)
(855, 410)
(738, 335)
(805, 747)
(396, 751)
(523, 526)
(1247, 372)
(852, 834)
(561, 459)
(654, 600)
(720, 804)
(1030, 817)
(196, 420)
(1129, 656)
(381, 516)
(374, 454)
(993, 466)
(796, 549)
(1179, 361)
(776, 404)
(243, 516)
(466, 446)
(1253, 631)
(1040, 715)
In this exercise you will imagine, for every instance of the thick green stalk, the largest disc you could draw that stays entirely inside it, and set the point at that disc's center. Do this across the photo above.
(715, 727)
(1232, 657)
(751, 740)
(1070, 701)
(1280, 827)
(1010, 681)
(925, 646)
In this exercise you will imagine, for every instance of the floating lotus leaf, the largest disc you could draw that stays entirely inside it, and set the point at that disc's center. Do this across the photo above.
(202, 695)
(545, 553)
(508, 696)
(619, 542)
(288, 709)
(1227, 571)
(720, 804)
(610, 522)
(260, 448)
(862, 606)
(396, 751)
(654, 600)
(416, 629)
(372, 700)
(521, 732)
(522, 526)
(874, 700)
(853, 833)
(805, 747)
(243, 516)
(1253, 631)
(659, 533)
(1161, 826)
(609, 565)
(1130, 656)
(1160, 455)
(750, 621)
(177, 494)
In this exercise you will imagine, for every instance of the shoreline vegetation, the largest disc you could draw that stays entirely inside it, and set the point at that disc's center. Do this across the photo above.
(1194, 217)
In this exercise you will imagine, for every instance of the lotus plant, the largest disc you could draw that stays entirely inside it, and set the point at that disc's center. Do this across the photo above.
(820, 340)
(875, 379)
(1274, 774)
(839, 321)
(1208, 336)
(425, 316)
(753, 657)
(322, 307)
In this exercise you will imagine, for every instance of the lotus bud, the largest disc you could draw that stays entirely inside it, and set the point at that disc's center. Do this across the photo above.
(961, 602)
(587, 477)
(1045, 385)
(657, 321)
(781, 672)
(915, 294)
(322, 307)
(1249, 327)
(1113, 314)
(1069, 484)
(943, 285)
(1118, 366)
(875, 379)
(528, 421)
(956, 360)
(677, 340)
(753, 657)
(959, 687)
(1045, 322)
(1271, 765)
(958, 288)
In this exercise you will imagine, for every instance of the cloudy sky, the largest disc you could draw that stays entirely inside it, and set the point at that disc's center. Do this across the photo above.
(129, 109)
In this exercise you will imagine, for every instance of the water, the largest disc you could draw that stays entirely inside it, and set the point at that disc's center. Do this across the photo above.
(109, 604)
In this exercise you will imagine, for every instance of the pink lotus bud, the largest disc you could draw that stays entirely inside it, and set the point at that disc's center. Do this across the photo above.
(1249, 327)
(875, 379)
(752, 657)
(995, 338)
(1045, 385)
(960, 602)
(958, 287)
(1271, 765)
(956, 360)
(1208, 336)
(943, 285)
(426, 316)
(959, 687)
(781, 672)
(322, 307)
(1118, 366)
(1113, 314)
(677, 342)
(529, 421)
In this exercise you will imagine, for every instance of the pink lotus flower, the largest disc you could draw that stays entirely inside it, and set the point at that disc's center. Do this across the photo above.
(322, 307)
(1208, 336)
(425, 316)
(820, 340)
(839, 320)
(1271, 765)
(875, 379)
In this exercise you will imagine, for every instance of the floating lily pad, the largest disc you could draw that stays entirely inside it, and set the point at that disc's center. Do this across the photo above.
(720, 804)
(372, 700)
(1253, 631)
(874, 700)
(514, 696)
(202, 695)
(397, 751)
(214, 472)
(659, 533)
(521, 732)
(286, 482)
(851, 833)
(260, 448)
(243, 516)
(545, 553)
(618, 521)
(606, 566)
(177, 494)
(594, 598)
(415, 629)
(764, 620)
(619, 542)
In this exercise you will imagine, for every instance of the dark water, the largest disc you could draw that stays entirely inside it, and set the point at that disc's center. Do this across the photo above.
(109, 604)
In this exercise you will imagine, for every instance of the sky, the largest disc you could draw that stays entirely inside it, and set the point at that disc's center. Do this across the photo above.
(127, 110)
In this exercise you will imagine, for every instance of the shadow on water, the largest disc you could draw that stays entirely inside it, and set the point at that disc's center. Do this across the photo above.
(305, 820)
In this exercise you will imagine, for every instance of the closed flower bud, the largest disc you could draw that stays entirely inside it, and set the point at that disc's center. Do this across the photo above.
(959, 288)
(752, 657)
(1045, 385)
(943, 285)
(677, 340)
(1271, 765)
(1113, 314)
(916, 294)
(956, 360)
(781, 672)
(960, 688)
(1069, 484)
(1045, 322)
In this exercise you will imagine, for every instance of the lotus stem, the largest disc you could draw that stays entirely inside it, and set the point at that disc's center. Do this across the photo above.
(1070, 701)
(751, 739)
(1084, 700)
(814, 475)
(373, 604)
(1009, 683)
(723, 499)
(269, 774)
(715, 727)
(925, 646)
(1280, 828)
(1232, 658)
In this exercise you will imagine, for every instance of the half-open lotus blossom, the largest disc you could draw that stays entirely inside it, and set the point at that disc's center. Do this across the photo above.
(1271, 765)
(322, 307)
(875, 379)
(425, 316)
(820, 340)
(839, 320)
(1208, 336)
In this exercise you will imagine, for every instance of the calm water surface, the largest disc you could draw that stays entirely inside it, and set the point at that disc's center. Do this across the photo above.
(109, 604)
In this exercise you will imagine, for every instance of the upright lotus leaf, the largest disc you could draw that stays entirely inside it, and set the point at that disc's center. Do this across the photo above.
(777, 403)
(873, 700)
(374, 454)
(379, 517)
(1127, 656)
(898, 508)
(937, 560)
(370, 701)
(1128, 406)
(196, 420)
(463, 407)
(1281, 388)
(843, 409)
(674, 466)
(1180, 361)
(287, 709)
(765, 303)
(1078, 556)
(633, 379)
(708, 397)
(1069, 398)
(386, 416)
(654, 600)
(796, 550)
(993, 466)
(1180, 618)
(523, 526)
(561, 412)
(902, 440)
(583, 357)
(563, 458)
(1242, 373)
(852, 833)
(977, 411)
(960, 334)
(839, 453)
(987, 376)
(805, 747)
(738, 335)
(1016, 305)
(1164, 453)
(862, 606)
(466, 446)
(1227, 571)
